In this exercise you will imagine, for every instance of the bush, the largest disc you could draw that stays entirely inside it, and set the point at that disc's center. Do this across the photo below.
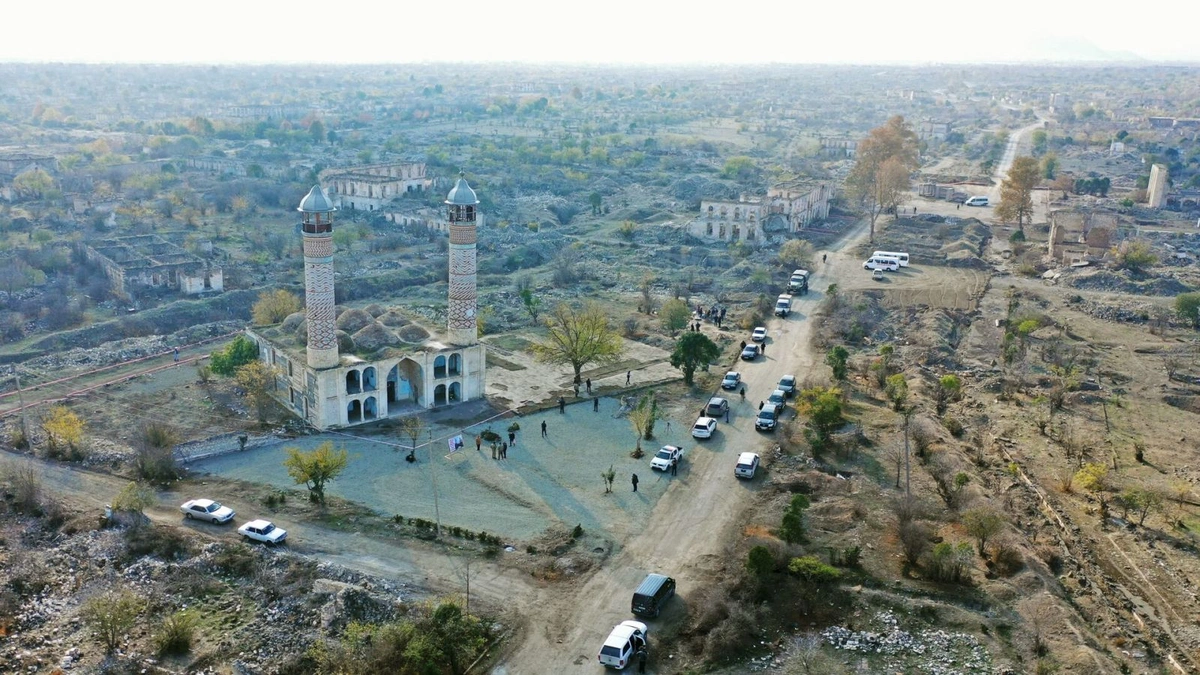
(814, 571)
(235, 355)
(760, 562)
(948, 562)
(577, 532)
(111, 616)
(162, 542)
(236, 560)
(1007, 558)
(953, 426)
(1093, 476)
(176, 634)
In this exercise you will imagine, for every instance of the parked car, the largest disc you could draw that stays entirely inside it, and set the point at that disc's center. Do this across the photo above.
(787, 384)
(207, 509)
(704, 427)
(767, 418)
(622, 643)
(650, 595)
(750, 353)
(759, 334)
(732, 380)
(264, 531)
(877, 275)
(717, 407)
(666, 456)
(747, 464)
(777, 397)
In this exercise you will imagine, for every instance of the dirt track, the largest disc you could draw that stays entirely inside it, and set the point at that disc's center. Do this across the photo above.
(944, 287)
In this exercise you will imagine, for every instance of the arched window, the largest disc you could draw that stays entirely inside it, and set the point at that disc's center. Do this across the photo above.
(353, 383)
(370, 409)
(439, 367)
(354, 412)
(455, 392)
(439, 395)
(455, 364)
(368, 379)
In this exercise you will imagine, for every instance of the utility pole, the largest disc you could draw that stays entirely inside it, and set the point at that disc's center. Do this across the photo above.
(907, 472)
(437, 516)
(21, 402)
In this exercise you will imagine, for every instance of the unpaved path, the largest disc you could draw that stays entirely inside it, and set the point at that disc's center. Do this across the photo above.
(690, 533)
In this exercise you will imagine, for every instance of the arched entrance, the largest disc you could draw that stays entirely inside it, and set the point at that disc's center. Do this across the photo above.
(354, 412)
(368, 379)
(370, 409)
(439, 395)
(456, 364)
(455, 392)
(353, 383)
(405, 385)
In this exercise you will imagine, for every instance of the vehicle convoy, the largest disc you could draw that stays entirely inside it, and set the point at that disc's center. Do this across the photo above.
(750, 353)
(759, 334)
(621, 644)
(798, 283)
(787, 384)
(777, 397)
(666, 457)
(651, 595)
(207, 509)
(264, 531)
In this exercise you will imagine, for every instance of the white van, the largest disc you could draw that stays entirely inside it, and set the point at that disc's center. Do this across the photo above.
(976, 201)
(901, 257)
(881, 263)
(783, 306)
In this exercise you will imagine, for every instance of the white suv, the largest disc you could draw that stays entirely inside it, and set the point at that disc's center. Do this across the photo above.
(704, 427)
(622, 643)
(747, 465)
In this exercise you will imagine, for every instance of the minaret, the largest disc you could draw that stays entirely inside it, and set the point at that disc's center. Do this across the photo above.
(317, 228)
(462, 326)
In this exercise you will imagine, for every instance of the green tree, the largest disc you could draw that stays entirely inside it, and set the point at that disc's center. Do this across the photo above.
(896, 390)
(791, 529)
(760, 562)
(739, 167)
(947, 389)
(274, 306)
(1135, 255)
(884, 161)
(823, 407)
(796, 254)
(1049, 166)
(33, 184)
(675, 315)
(1016, 192)
(693, 350)
(235, 355)
(836, 359)
(316, 468)
(597, 201)
(577, 336)
(531, 303)
(643, 417)
(1187, 307)
(111, 616)
(134, 498)
(317, 131)
(258, 379)
(982, 523)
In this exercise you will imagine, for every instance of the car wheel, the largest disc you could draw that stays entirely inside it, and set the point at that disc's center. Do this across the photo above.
(246, 538)
(187, 516)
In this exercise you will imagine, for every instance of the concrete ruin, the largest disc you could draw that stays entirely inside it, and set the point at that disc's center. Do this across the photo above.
(339, 367)
(1156, 191)
(371, 187)
(787, 207)
(1081, 235)
(149, 261)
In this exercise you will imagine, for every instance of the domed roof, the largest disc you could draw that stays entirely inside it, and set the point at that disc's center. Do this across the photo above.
(461, 194)
(316, 202)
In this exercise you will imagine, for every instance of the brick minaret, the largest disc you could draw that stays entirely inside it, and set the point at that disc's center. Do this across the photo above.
(317, 228)
(462, 205)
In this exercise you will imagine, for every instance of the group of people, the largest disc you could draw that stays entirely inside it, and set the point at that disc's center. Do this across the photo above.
(714, 314)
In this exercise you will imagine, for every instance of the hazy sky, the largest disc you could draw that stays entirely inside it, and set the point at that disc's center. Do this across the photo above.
(588, 31)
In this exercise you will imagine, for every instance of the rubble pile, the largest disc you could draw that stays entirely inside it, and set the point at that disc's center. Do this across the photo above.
(1121, 282)
(938, 652)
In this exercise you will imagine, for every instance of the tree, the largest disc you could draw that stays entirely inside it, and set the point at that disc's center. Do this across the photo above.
(896, 390)
(1142, 501)
(413, 427)
(1093, 477)
(885, 159)
(836, 359)
(274, 306)
(531, 303)
(1187, 306)
(675, 315)
(257, 378)
(317, 131)
(693, 350)
(315, 469)
(235, 355)
(1049, 166)
(642, 418)
(791, 529)
(608, 476)
(111, 616)
(947, 389)
(823, 406)
(446, 640)
(1135, 255)
(914, 540)
(596, 200)
(33, 184)
(760, 562)
(578, 336)
(155, 458)
(134, 498)
(63, 429)
(796, 254)
(739, 166)
(1016, 192)
(982, 523)
(647, 289)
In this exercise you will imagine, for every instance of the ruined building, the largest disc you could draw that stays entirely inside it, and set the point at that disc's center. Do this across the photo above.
(787, 207)
(1156, 191)
(371, 187)
(1078, 235)
(149, 261)
(339, 367)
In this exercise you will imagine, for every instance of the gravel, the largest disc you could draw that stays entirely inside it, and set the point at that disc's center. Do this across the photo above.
(937, 652)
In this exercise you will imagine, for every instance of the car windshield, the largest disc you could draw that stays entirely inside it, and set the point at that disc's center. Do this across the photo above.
(213, 507)
(267, 528)
(788, 381)
(664, 454)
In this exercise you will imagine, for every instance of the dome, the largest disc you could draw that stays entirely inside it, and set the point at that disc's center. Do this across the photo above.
(316, 202)
(461, 194)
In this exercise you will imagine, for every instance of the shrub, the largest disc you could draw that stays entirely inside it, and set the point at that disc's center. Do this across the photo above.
(1093, 476)
(111, 616)
(948, 562)
(814, 571)
(577, 532)
(760, 562)
(953, 426)
(1007, 558)
(791, 529)
(163, 542)
(236, 560)
(176, 634)
(914, 540)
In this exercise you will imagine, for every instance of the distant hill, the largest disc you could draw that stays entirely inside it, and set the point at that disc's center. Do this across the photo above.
(1074, 49)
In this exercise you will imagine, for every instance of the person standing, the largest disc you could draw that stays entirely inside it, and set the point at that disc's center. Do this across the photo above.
(675, 467)
(628, 377)
(512, 438)
(562, 406)
(762, 348)
(177, 355)
(596, 404)
(635, 482)
(504, 451)
(823, 256)
(589, 385)
(641, 658)
(495, 449)
(543, 428)
(478, 442)
(760, 405)
(575, 386)
(727, 416)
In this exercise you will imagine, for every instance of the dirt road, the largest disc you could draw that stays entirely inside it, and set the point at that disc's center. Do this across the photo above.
(689, 534)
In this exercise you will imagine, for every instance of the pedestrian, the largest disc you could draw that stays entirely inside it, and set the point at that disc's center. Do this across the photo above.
(743, 393)
(504, 451)
(760, 405)
(495, 449)
(727, 416)
(641, 657)
(562, 406)
(675, 467)
(668, 425)
(589, 385)
(596, 404)
(762, 348)
(478, 442)
(957, 207)
(177, 355)
(635, 482)
(628, 377)
(743, 346)
(512, 438)
(823, 256)
(543, 428)
(575, 386)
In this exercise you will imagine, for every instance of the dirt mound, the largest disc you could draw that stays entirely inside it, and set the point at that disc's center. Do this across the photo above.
(354, 320)
(935, 239)
(374, 337)
(345, 342)
(1188, 403)
(413, 333)
(293, 321)
(1122, 282)
(375, 309)
(394, 319)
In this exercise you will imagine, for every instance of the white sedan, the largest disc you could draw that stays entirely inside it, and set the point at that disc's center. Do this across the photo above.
(759, 334)
(704, 427)
(665, 457)
(264, 531)
(207, 509)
